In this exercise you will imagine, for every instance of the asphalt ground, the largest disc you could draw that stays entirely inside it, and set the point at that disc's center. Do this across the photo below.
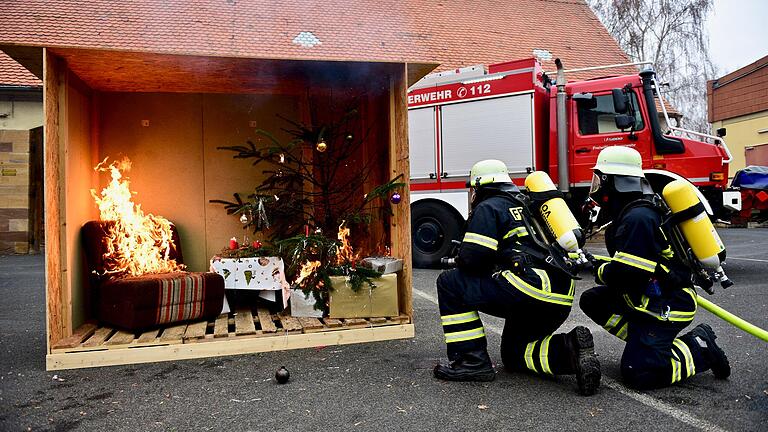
(377, 386)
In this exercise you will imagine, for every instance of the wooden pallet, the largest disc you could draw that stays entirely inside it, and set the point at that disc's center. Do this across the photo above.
(254, 330)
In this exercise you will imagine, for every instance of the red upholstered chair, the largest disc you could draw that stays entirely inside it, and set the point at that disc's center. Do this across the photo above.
(143, 302)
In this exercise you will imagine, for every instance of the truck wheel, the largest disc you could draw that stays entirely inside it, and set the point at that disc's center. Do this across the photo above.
(433, 226)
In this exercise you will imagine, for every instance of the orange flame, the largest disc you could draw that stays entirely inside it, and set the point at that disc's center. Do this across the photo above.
(307, 269)
(345, 253)
(137, 244)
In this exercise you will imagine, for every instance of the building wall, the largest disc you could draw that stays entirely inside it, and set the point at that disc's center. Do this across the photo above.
(16, 119)
(20, 115)
(743, 132)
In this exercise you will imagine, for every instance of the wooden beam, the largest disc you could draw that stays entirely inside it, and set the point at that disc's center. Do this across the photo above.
(54, 106)
(226, 347)
(399, 164)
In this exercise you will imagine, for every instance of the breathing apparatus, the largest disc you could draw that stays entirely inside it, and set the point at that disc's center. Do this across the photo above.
(686, 223)
(560, 222)
(490, 177)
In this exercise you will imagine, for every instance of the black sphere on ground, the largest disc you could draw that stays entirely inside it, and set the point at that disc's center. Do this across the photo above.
(282, 375)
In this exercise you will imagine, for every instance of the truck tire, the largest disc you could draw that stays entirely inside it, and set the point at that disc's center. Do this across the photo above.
(433, 226)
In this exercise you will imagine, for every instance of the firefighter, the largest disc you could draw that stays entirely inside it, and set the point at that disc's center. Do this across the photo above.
(645, 295)
(494, 277)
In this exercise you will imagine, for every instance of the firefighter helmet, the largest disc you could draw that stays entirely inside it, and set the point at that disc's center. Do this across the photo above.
(624, 165)
(620, 160)
(487, 172)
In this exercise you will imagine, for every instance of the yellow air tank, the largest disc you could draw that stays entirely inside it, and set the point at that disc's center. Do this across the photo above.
(697, 230)
(556, 214)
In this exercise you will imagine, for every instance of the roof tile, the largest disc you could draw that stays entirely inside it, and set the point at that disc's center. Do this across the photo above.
(451, 33)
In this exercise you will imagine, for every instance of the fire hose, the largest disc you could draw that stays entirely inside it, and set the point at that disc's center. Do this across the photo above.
(732, 319)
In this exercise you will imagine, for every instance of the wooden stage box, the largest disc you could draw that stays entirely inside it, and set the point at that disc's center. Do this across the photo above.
(168, 114)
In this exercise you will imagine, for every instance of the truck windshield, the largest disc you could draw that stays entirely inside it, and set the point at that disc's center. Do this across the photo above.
(596, 115)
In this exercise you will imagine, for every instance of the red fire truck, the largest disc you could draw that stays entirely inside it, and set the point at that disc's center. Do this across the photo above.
(516, 113)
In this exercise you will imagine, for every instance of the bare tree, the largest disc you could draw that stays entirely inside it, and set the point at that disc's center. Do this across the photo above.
(670, 33)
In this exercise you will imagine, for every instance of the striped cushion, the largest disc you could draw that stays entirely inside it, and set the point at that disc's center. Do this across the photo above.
(137, 303)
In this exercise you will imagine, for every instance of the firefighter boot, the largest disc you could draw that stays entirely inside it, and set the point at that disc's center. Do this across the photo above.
(718, 361)
(583, 360)
(470, 366)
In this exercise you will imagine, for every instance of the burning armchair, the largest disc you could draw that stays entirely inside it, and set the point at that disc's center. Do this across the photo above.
(136, 265)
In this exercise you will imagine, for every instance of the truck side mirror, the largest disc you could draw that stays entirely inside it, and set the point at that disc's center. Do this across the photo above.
(720, 132)
(624, 121)
(620, 101)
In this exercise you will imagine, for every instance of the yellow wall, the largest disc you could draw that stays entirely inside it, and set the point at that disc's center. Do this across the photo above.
(77, 205)
(743, 132)
(176, 166)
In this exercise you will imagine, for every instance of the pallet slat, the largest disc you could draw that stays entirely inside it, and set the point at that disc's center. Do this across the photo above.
(311, 325)
(220, 327)
(82, 333)
(173, 333)
(332, 323)
(265, 319)
(244, 322)
(196, 330)
(290, 324)
(121, 337)
(98, 337)
(355, 323)
(148, 336)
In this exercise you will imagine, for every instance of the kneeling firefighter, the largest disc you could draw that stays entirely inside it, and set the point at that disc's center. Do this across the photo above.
(494, 276)
(645, 295)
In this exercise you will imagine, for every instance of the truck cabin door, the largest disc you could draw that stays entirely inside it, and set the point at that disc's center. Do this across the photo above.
(595, 126)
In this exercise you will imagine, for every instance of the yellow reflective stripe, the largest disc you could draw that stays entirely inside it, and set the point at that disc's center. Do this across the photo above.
(622, 333)
(572, 289)
(668, 253)
(481, 240)
(600, 271)
(675, 370)
(545, 285)
(665, 268)
(612, 321)
(550, 297)
(465, 335)
(529, 356)
(459, 318)
(635, 261)
(690, 367)
(672, 316)
(519, 232)
(544, 356)
(602, 258)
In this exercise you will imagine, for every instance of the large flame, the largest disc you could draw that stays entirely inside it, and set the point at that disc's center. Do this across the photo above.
(307, 269)
(345, 254)
(137, 244)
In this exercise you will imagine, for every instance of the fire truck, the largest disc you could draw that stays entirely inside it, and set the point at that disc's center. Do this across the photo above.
(517, 113)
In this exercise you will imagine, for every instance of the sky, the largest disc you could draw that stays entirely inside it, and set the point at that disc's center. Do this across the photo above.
(738, 33)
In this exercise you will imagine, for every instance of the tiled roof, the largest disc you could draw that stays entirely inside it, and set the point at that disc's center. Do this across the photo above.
(14, 74)
(450, 32)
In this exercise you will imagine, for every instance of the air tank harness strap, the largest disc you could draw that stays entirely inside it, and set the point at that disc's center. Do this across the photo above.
(545, 196)
(683, 215)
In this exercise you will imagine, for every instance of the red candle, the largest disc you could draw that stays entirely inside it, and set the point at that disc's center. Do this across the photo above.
(233, 243)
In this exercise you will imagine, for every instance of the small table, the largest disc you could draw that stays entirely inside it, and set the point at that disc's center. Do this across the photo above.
(265, 274)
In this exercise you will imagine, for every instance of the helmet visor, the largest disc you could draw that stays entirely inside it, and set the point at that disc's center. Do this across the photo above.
(596, 183)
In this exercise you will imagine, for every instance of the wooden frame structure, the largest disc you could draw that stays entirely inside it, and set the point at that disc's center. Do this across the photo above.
(82, 90)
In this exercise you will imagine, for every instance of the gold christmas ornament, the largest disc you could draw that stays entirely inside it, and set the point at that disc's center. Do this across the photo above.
(321, 146)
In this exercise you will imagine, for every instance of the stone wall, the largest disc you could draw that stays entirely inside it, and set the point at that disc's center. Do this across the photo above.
(14, 191)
